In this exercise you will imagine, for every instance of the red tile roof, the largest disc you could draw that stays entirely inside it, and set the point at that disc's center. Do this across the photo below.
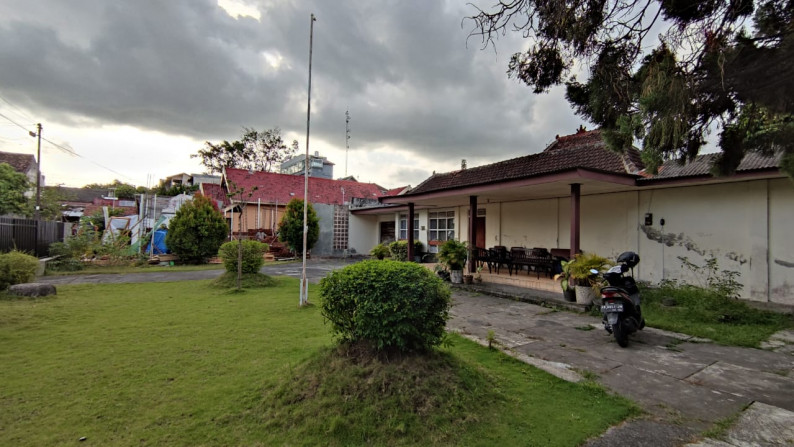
(20, 162)
(215, 192)
(281, 188)
(585, 150)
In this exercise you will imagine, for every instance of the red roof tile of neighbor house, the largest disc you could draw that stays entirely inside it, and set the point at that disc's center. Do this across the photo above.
(701, 166)
(585, 149)
(215, 192)
(281, 188)
(20, 162)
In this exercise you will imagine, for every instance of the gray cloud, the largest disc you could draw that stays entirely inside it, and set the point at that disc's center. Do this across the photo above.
(403, 69)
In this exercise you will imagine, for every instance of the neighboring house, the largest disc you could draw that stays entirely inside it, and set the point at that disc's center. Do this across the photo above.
(190, 180)
(24, 164)
(577, 195)
(79, 202)
(262, 198)
(318, 166)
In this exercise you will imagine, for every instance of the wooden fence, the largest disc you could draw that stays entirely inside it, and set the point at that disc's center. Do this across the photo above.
(29, 235)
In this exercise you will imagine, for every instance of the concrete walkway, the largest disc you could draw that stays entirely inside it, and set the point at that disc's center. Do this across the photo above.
(685, 385)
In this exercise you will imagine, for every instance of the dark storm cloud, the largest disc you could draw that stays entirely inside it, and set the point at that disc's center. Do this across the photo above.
(403, 70)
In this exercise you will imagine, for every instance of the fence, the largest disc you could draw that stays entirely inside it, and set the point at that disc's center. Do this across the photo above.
(28, 235)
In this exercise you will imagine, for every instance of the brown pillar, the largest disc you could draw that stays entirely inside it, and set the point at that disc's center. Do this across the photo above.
(472, 232)
(575, 193)
(410, 232)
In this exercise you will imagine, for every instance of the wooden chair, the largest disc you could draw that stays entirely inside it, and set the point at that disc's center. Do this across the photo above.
(501, 258)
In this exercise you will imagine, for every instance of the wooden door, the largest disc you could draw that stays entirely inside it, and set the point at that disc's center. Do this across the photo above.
(386, 232)
(479, 236)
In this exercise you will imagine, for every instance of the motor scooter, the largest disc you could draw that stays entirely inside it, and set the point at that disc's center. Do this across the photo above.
(620, 300)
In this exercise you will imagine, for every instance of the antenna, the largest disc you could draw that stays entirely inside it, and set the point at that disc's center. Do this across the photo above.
(347, 137)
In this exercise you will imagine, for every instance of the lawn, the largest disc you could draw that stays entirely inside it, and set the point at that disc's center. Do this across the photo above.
(703, 313)
(185, 364)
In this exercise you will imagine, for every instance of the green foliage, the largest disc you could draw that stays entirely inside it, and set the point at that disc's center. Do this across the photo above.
(253, 252)
(709, 276)
(390, 304)
(380, 251)
(17, 268)
(708, 313)
(13, 186)
(579, 268)
(257, 150)
(123, 190)
(290, 230)
(98, 218)
(196, 231)
(453, 254)
(702, 72)
(399, 250)
(175, 190)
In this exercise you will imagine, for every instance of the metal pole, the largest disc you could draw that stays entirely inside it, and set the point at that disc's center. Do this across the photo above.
(304, 291)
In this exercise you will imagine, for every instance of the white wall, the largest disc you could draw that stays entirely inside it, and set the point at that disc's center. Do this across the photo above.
(363, 233)
(781, 250)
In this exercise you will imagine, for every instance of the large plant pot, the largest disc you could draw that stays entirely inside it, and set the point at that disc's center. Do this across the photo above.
(584, 294)
(456, 276)
(569, 295)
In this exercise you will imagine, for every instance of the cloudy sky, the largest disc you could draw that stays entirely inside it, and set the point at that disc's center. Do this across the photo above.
(135, 87)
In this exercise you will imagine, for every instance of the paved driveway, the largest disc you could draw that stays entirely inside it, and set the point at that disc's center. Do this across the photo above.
(685, 385)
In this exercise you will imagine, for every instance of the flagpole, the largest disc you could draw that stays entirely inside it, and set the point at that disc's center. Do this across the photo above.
(304, 291)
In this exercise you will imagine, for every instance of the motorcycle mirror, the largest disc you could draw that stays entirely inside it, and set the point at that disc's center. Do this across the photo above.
(594, 271)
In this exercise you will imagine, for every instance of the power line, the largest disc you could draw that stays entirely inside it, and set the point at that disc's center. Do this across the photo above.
(19, 111)
(16, 123)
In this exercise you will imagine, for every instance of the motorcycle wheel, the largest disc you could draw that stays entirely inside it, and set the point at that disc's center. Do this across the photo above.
(621, 336)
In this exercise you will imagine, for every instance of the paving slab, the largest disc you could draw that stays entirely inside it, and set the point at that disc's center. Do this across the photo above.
(657, 393)
(747, 383)
(644, 433)
(758, 425)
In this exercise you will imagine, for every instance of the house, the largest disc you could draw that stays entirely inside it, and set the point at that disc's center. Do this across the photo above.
(188, 180)
(578, 195)
(24, 164)
(79, 202)
(256, 200)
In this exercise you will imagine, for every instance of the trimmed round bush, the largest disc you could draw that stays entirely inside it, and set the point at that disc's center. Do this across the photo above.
(252, 255)
(17, 268)
(391, 304)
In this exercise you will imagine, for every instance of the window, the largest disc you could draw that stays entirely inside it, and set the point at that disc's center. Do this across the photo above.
(442, 226)
(404, 227)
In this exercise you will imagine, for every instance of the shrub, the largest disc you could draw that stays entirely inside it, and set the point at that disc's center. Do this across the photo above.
(390, 304)
(252, 255)
(399, 250)
(290, 230)
(380, 251)
(16, 268)
(197, 230)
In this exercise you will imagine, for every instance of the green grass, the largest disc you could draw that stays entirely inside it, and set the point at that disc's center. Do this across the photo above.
(701, 313)
(184, 363)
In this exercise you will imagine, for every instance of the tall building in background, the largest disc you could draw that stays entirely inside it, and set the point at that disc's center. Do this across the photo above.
(318, 166)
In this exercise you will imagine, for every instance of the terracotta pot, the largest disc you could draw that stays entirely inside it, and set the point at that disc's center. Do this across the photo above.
(467, 279)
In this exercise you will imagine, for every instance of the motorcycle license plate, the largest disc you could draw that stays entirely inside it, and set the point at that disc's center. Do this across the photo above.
(611, 307)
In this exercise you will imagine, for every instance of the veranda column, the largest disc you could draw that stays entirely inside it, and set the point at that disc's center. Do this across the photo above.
(575, 193)
(472, 232)
(410, 232)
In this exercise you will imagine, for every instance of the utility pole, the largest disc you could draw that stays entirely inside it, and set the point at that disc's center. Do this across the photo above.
(304, 291)
(347, 137)
(38, 170)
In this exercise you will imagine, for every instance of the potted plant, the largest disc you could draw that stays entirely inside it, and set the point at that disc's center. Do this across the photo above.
(380, 251)
(453, 254)
(586, 283)
(566, 282)
(478, 276)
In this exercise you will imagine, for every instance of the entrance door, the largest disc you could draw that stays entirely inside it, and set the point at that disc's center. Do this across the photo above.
(479, 236)
(387, 232)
